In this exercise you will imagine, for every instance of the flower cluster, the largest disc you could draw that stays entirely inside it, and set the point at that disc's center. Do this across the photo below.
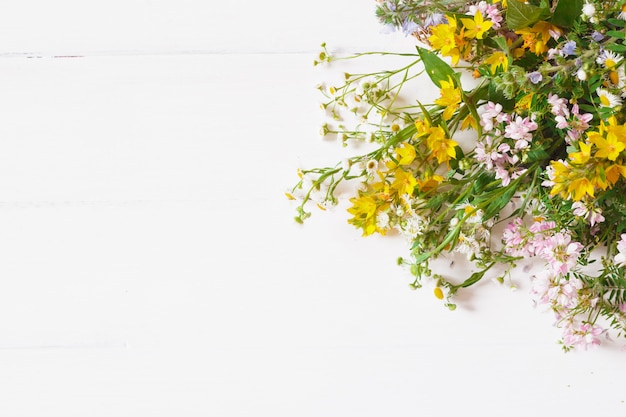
(521, 157)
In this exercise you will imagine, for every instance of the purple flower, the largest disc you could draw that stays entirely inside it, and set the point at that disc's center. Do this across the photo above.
(569, 48)
(409, 27)
(435, 19)
(535, 77)
(597, 36)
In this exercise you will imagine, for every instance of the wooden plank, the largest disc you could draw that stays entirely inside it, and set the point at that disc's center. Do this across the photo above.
(161, 26)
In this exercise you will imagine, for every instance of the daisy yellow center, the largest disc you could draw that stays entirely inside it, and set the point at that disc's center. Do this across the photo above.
(605, 100)
(609, 63)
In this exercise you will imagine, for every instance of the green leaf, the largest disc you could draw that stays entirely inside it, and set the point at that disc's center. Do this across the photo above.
(594, 82)
(496, 206)
(566, 12)
(520, 15)
(537, 155)
(473, 279)
(436, 68)
(501, 42)
(617, 22)
(616, 47)
(587, 108)
(481, 182)
(616, 34)
(497, 96)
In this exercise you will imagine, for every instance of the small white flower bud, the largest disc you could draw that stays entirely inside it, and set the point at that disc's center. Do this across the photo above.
(589, 9)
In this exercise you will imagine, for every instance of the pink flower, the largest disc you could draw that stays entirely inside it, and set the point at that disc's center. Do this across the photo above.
(559, 105)
(567, 295)
(557, 291)
(579, 209)
(541, 284)
(578, 123)
(582, 335)
(519, 130)
(503, 175)
(542, 226)
(561, 253)
(561, 122)
(491, 112)
(593, 216)
(515, 238)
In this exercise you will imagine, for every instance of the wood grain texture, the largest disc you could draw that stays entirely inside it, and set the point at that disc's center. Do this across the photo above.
(183, 26)
(148, 258)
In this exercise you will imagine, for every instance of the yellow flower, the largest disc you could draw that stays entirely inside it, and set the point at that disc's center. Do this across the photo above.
(364, 210)
(450, 98)
(613, 129)
(404, 182)
(536, 37)
(405, 153)
(600, 179)
(441, 147)
(583, 156)
(429, 183)
(609, 147)
(524, 103)
(469, 123)
(613, 173)
(422, 127)
(476, 27)
(367, 206)
(497, 59)
(561, 174)
(579, 188)
(443, 38)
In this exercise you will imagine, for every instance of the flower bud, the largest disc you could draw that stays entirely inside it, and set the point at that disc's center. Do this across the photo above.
(438, 293)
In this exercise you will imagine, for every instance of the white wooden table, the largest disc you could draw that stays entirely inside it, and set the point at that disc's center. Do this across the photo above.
(149, 263)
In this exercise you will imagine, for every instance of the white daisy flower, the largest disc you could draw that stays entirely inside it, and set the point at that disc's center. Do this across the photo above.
(608, 99)
(371, 166)
(622, 14)
(413, 226)
(468, 246)
(609, 59)
(475, 215)
(382, 220)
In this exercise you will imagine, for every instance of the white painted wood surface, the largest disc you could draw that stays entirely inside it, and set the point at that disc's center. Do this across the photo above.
(149, 264)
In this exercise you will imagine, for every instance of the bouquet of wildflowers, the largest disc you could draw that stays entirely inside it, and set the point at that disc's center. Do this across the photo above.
(527, 160)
